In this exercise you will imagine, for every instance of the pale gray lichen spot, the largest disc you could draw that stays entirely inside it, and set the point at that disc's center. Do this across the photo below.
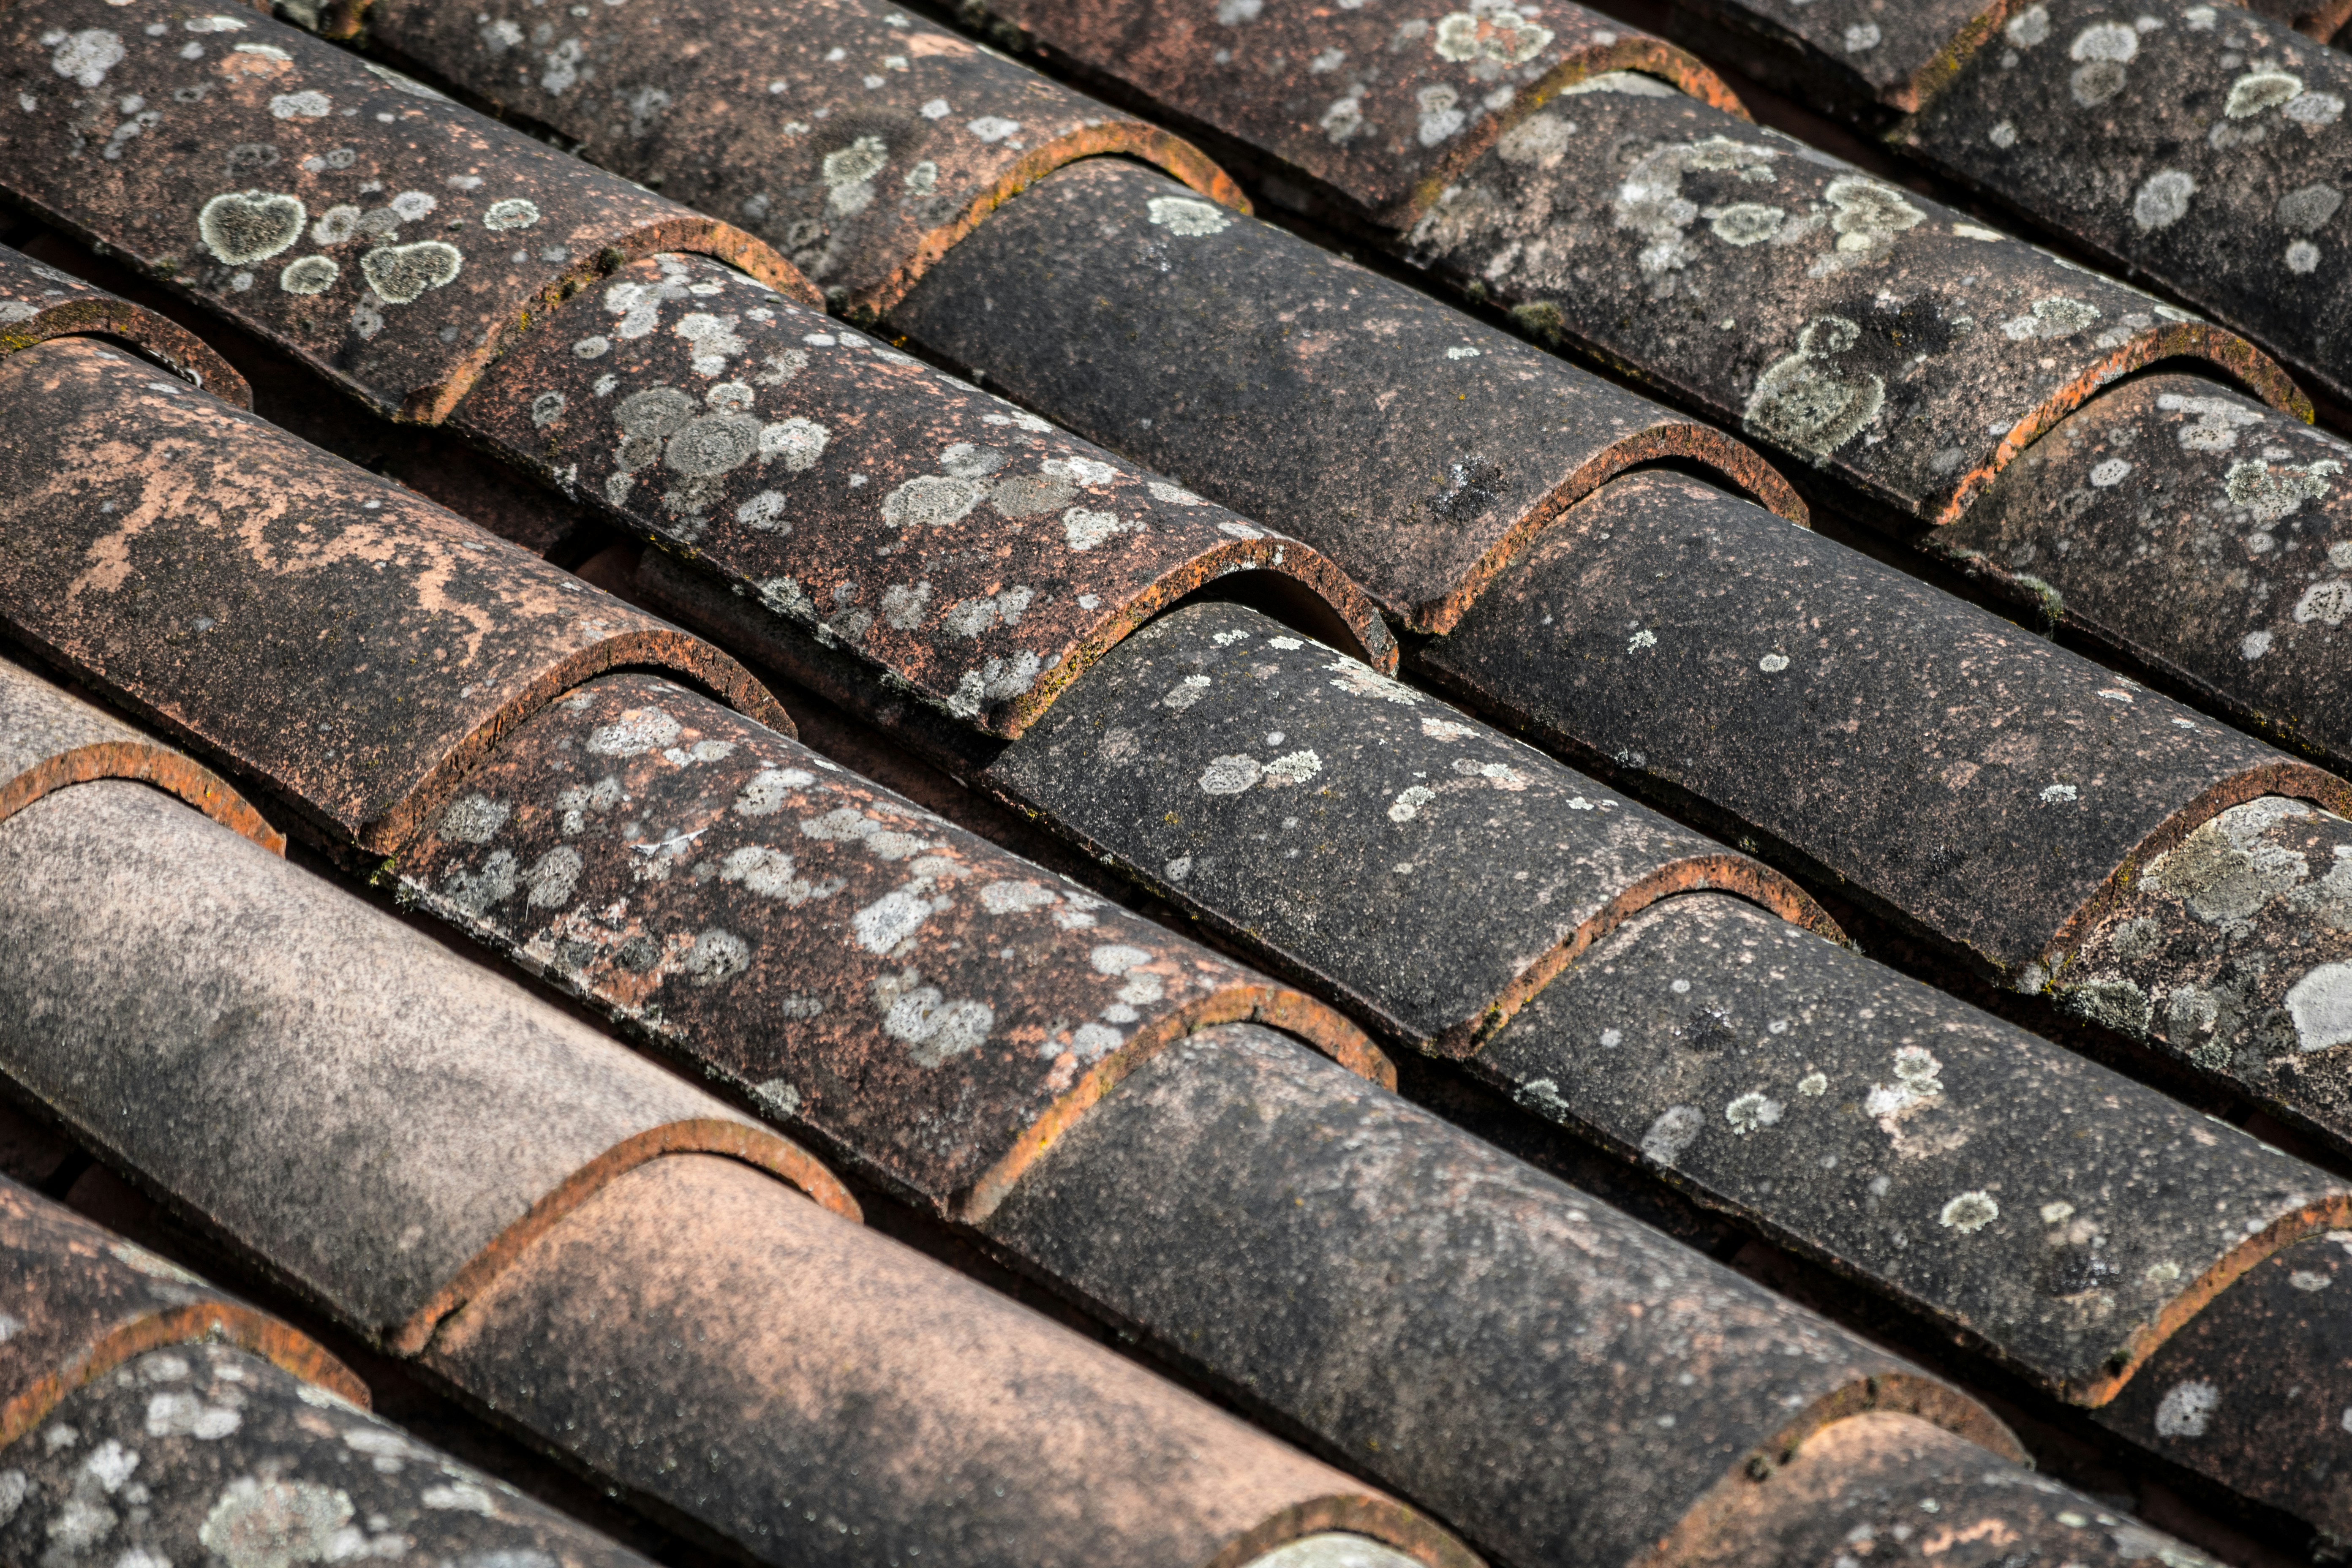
(922, 1019)
(1861, 38)
(716, 957)
(970, 617)
(905, 603)
(1650, 204)
(514, 212)
(1016, 897)
(634, 733)
(2315, 111)
(1441, 114)
(1752, 1113)
(552, 877)
(712, 443)
(1188, 216)
(1232, 775)
(1186, 692)
(2302, 257)
(2107, 475)
(2328, 601)
(1409, 801)
(1496, 32)
(1970, 1213)
(771, 873)
(930, 501)
(2321, 1006)
(2186, 1409)
(84, 58)
(2050, 319)
(308, 104)
(274, 1523)
(769, 789)
(1744, 223)
(1539, 142)
(474, 818)
(2163, 198)
(1675, 1129)
(1804, 402)
(2226, 868)
(308, 275)
(2271, 494)
(243, 227)
(1084, 529)
(2257, 90)
(2307, 209)
(1293, 767)
(2028, 27)
(176, 1413)
(400, 273)
(547, 408)
(1868, 213)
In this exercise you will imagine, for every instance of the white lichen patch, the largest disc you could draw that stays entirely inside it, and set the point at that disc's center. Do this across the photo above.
(401, 273)
(2187, 1408)
(1188, 216)
(244, 226)
(1675, 1129)
(1968, 1213)
(1752, 1113)
(2320, 1003)
(1806, 402)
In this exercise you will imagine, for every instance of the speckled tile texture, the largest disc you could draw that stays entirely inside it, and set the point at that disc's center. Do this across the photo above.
(83, 1301)
(1377, 104)
(822, 1396)
(2066, 1219)
(925, 1003)
(859, 140)
(382, 234)
(1904, 350)
(382, 1122)
(2202, 149)
(38, 302)
(50, 740)
(1964, 775)
(334, 636)
(1352, 830)
(962, 550)
(1581, 1391)
(1417, 448)
(203, 1453)
(2236, 520)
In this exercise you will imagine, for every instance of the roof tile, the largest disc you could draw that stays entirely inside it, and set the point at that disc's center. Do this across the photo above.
(38, 302)
(352, 645)
(386, 236)
(51, 739)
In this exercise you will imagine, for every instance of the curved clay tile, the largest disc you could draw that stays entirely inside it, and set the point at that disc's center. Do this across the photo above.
(858, 140)
(1350, 829)
(1382, 105)
(51, 739)
(82, 1301)
(1423, 450)
(389, 238)
(941, 541)
(38, 302)
(332, 634)
(382, 1123)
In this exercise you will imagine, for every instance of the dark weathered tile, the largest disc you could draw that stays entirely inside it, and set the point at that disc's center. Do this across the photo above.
(1888, 1489)
(1419, 449)
(38, 302)
(1903, 349)
(346, 642)
(386, 236)
(1379, 108)
(857, 138)
(932, 1008)
(2174, 491)
(960, 551)
(1427, 872)
(1864, 50)
(386, 1124)
(823, 1396)
(81, 1301)
(2204, 152)
(1989, 788)
(1583, 1389)
(205, 1453)
(2318, 19)
(51, 739)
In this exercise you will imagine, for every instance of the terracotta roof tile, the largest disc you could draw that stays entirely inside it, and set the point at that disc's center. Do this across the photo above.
(154, 1419)
(877, 140)
(38, 302)
(49, 739)
(349, 644)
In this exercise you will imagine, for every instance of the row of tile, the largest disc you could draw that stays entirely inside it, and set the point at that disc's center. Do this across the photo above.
(603, 1229)
(672, 281)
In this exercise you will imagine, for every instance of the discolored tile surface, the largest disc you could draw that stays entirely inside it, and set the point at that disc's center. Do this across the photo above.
(82, 1301)
(1903, 349)
(1420, 449)
(925, 1003)
(1351, 830)
(859, 140)
(2204, 152)
(1983, 784)
(2174, 491)
(1380, 104)
(1583, 1390)
(208, 1454)
(646, 1330)
(352, 645)
(960, 551)
(386, 236)
(2064, 1219)
(379, 1121)
(38, 302)
(51, 739)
